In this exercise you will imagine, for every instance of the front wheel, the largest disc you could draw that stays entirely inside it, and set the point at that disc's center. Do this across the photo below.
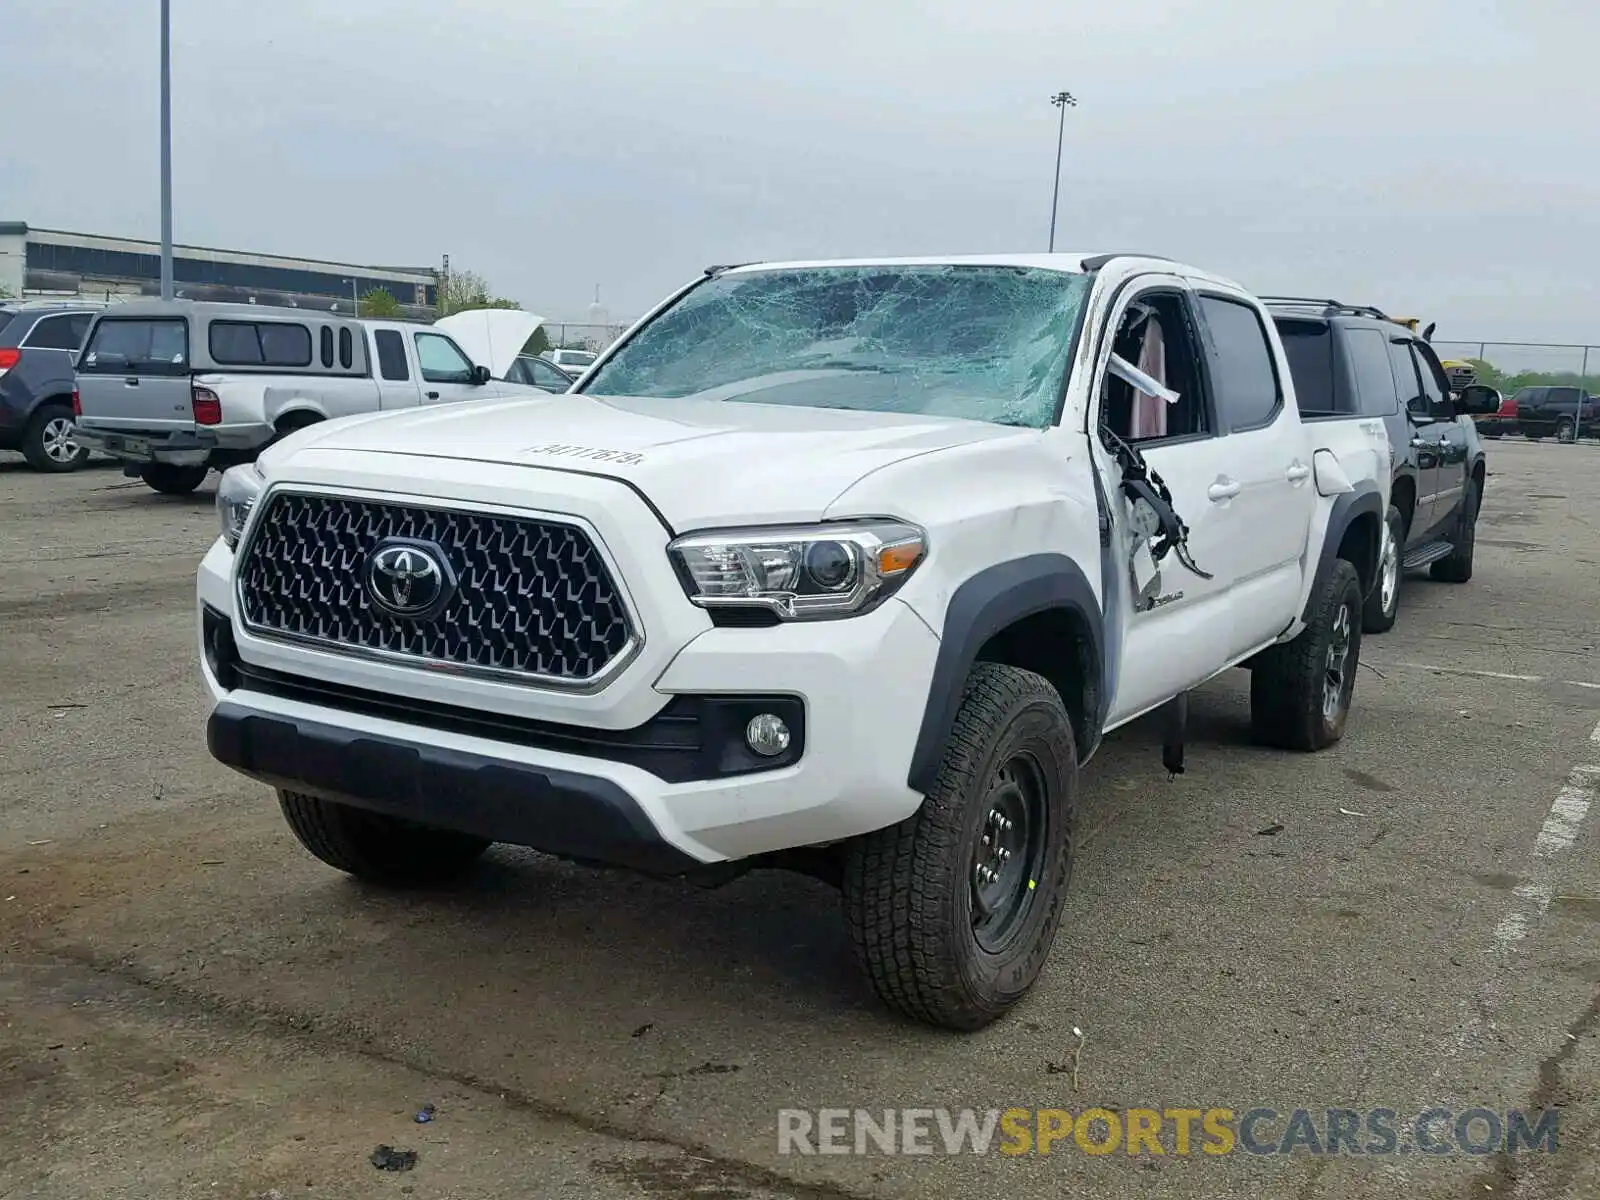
(1300, 692)
(953, 911)
(1383, 602)
(376, 847)
(50, 443)
(173, 481)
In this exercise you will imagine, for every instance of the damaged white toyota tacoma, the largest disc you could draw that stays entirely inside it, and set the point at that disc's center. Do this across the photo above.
(839, 566)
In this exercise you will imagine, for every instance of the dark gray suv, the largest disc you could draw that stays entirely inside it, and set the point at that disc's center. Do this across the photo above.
(37, 343)
(1351, 360)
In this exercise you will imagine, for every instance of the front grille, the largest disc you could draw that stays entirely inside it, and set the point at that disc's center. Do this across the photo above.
(532, 597)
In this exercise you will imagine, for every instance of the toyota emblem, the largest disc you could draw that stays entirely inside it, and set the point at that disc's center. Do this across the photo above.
(408, 579)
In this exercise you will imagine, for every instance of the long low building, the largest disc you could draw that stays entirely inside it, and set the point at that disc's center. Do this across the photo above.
(58, 262)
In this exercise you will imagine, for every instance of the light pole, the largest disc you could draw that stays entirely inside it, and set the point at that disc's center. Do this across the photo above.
(166, 149)
(355, 299)
(1063, 101)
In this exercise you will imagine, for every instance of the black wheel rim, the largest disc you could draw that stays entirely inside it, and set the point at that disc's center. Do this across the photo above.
(1008, 853)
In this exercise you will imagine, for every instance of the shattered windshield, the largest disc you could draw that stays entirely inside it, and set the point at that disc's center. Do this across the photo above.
(985, 343)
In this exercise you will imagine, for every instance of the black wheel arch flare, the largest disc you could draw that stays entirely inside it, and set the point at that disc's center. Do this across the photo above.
(1347, 508)
(987, 604)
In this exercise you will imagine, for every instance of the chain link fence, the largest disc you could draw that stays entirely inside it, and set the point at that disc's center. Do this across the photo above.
(567, 335)
(1551, 390)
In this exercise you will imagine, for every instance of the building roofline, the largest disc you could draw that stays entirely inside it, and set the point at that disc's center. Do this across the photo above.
(427, 274)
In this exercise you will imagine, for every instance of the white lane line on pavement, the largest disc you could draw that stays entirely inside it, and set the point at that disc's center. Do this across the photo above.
(1556, 835)
(1566, 815)
(1530, 899)
(1415, 666)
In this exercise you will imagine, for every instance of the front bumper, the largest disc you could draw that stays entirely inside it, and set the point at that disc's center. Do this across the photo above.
(585, 817)
(514, 765)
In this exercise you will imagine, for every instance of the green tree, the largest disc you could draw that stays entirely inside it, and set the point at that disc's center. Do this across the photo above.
(1507, 383)
(538, 343)
(468, 289)
(380, 303)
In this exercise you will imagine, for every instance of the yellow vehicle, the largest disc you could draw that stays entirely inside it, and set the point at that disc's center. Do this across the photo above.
(1462, 374)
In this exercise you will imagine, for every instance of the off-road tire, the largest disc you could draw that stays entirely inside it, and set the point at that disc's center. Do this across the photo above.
(1375, 617)
(43, 426)
(1457, 568)
(378, 848)
(909, 890)
(173, 481)
(1287, 684)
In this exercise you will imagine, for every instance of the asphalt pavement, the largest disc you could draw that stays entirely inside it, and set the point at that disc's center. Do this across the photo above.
(190, 1005)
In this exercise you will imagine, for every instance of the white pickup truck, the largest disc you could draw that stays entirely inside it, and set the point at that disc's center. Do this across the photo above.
(176, 388)
(844, 566)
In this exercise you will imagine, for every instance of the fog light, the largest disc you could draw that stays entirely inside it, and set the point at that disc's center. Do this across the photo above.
(767, 735)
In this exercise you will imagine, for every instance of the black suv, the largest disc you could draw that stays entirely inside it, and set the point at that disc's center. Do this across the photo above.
(37, 343)
(1350, 360)
(1564, 413)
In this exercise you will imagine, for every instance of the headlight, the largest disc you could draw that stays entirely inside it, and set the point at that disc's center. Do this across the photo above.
(236, 494)
(799, 573)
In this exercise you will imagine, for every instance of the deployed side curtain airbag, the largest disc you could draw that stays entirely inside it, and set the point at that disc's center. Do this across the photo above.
(1150, 407)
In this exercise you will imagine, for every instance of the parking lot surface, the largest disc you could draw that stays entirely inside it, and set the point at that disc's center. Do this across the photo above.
(190, 1005)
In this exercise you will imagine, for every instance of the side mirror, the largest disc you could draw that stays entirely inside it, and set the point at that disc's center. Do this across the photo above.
(1478, 400)
(481, 375)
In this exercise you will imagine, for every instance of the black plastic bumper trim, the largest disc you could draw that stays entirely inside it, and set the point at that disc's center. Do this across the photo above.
(558, 812)
(693, 738)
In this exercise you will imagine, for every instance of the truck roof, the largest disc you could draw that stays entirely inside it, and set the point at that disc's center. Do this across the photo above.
(1067, 262)
(204, 309)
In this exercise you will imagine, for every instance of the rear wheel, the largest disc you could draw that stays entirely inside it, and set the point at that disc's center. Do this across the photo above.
(1566, 431)
(1458, 567)
(1383, 602)
(376, 847)
(50, 442)
(173, 481)
(1300, 692)
(292, 422)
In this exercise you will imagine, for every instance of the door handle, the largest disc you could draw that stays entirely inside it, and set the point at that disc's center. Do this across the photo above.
(1297, 473)
(433, 395)
(1224, 489)
(130, 382)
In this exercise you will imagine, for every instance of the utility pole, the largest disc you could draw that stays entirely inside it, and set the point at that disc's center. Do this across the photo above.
(1063, 101)
(166, 149)
(444, 288)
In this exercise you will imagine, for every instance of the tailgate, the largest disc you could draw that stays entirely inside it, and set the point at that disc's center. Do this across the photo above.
(133, 374)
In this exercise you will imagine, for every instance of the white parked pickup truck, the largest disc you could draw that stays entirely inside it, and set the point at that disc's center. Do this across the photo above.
(176, 388)
(839, 566)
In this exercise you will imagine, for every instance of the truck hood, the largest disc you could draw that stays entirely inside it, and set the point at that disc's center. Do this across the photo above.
(491, 337)
(701, 463)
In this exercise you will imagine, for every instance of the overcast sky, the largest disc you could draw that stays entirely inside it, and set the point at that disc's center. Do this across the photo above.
(1433, 158)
